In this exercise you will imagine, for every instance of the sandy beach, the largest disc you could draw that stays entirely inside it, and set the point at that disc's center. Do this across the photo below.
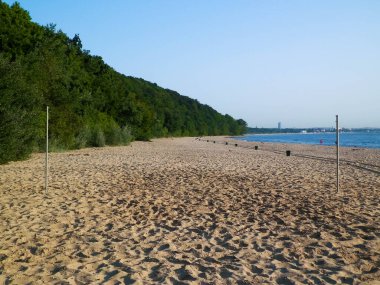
(185, 211)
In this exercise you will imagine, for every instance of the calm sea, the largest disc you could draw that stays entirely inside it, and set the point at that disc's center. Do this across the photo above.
(349, 139)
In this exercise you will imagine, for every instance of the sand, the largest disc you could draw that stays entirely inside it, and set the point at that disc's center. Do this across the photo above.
(184, 211)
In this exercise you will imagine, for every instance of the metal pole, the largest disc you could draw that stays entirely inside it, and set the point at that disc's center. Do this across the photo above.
(337, 154)
(47, 151)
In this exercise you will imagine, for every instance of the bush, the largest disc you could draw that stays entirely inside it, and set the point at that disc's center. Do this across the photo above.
(83, 138)
(126, 135)
(97, 138)
(112, 133)
(19, 116)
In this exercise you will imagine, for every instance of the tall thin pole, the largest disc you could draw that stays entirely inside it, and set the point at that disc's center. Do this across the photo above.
(47, 151)
(337, 154)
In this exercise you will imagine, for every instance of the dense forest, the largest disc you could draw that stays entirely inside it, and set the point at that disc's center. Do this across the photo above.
(90, 103)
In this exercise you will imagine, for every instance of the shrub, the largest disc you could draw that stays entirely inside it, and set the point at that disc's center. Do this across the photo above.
(97, 137)
(19, 116)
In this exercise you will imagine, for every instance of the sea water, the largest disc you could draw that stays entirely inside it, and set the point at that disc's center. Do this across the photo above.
(350, 139)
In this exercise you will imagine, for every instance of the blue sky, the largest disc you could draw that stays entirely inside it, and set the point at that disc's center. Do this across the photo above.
(298, 62)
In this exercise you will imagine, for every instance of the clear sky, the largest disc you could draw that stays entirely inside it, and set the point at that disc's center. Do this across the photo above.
(265, 61)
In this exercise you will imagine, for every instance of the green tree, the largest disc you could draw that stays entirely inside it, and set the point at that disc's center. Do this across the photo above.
(19, 116)
(91, 104)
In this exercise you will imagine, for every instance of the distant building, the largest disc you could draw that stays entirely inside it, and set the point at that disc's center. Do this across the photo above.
(279, 125)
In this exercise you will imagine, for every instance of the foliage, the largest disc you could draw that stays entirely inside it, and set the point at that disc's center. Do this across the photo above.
(19, 115)
(90, 103)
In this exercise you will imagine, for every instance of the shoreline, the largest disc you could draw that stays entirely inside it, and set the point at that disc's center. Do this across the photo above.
(274, 134)
(359, 154)
(186, 211)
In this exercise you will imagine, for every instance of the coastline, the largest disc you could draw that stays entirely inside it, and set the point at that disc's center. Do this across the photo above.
(355, 154)
(347, 139)
(184, 210)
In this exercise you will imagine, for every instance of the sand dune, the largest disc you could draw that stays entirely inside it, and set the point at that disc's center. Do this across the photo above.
(183, 211)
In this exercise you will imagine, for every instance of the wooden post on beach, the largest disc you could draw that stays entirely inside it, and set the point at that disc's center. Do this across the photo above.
(47, 151)
(337, 154)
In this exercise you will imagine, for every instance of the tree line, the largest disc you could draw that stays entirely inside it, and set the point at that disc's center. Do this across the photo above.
(91, 104)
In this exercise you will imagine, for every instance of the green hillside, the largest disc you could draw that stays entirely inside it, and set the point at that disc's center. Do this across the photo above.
(91, 104)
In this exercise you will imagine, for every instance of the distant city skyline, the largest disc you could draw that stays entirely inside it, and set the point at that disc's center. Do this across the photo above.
(298, 62)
